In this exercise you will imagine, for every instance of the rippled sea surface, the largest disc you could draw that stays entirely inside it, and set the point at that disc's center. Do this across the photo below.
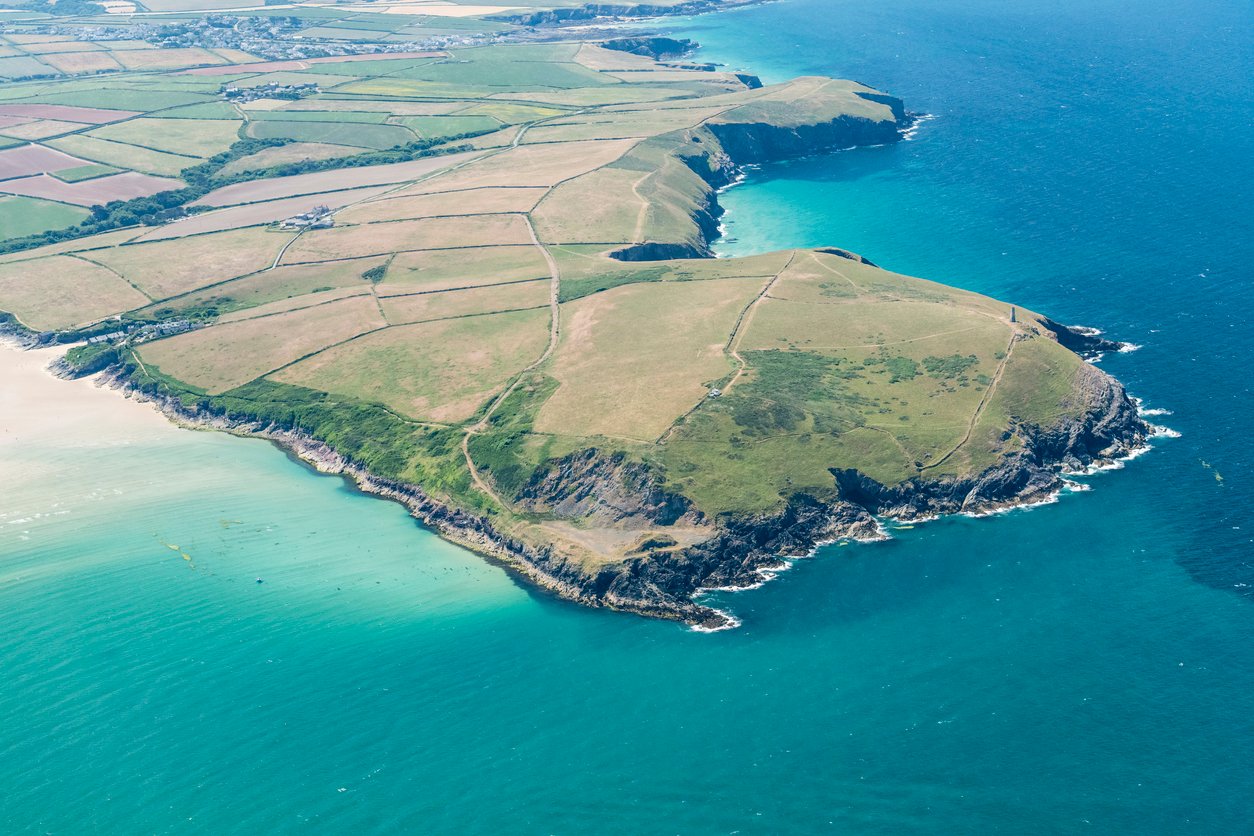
(1086, 666)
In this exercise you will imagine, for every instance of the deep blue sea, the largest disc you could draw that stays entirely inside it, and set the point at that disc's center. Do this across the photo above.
(1083, 667)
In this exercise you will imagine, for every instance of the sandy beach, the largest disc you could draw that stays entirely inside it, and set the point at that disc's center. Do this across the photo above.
(38, 408)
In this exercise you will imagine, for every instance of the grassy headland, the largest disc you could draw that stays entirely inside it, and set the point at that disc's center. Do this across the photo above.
(484, 272)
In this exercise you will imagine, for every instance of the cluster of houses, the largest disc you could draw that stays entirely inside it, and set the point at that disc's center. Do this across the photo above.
(318, 217)
(145, 332)
(272, 90)
(106, 338)
(164, 329)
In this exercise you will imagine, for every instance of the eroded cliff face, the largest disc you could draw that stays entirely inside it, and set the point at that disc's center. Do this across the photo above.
(655, 47)
(1107, 427)
(739, 144)
(740, 552)
(719, 153)
(604, 490)
(755, 143)
(705, 213)
(611, 491)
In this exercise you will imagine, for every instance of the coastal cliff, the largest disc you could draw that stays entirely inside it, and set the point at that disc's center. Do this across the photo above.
(723, 148)
(741, 550)
(663, 579)
(600, 487)
(759, 142)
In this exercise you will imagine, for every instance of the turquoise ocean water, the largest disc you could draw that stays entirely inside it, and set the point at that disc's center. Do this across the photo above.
(1083, 667)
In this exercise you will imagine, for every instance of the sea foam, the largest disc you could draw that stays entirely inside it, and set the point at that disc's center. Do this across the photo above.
(911, 132)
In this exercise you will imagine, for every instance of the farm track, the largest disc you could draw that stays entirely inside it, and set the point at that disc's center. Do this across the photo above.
(555, 333)
(555, 327)
(979, 410)
(732, 339)
(746, 319)
(637, 236)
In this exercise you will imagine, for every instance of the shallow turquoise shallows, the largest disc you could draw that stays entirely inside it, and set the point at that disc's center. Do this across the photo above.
(1083, 667)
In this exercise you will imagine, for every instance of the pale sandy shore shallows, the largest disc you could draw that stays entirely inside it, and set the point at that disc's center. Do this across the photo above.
(38, 409)
(69, 454)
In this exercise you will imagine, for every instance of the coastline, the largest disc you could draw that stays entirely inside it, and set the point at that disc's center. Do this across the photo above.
(886, 525)
(472, 532)
(27, 377)
(742, 553)
(477, 533)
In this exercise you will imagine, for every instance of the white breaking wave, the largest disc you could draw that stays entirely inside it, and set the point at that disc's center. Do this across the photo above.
(732, 624)
(885, 526)
(1022, 506)
(911, 132)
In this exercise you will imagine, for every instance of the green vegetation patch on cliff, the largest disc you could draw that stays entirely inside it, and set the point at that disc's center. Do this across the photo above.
(367, 434)
(508, 450)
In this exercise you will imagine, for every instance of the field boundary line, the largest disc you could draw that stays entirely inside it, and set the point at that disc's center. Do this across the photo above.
(304, 357)
(463, 287)
(146, 294)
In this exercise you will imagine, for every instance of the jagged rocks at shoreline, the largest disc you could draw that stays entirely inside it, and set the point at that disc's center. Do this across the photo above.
(740, 551)
(743, 550)
(1087, 342)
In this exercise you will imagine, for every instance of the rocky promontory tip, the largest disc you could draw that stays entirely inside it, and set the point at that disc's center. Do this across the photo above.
(657, 47)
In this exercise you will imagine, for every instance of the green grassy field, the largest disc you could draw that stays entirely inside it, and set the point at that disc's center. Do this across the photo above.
(292, 153)
(352, 134)
(478, 202)
(444, 126)
(61, 292)
(265, 287)
(427, 270)
(26, 215)
(428, 371)
(84, 172)
(358, 116)
(123, 156)
(450, 304)
(170, 268)
(187, 137)
(209, 110)
(649, 349)
(211, 360)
